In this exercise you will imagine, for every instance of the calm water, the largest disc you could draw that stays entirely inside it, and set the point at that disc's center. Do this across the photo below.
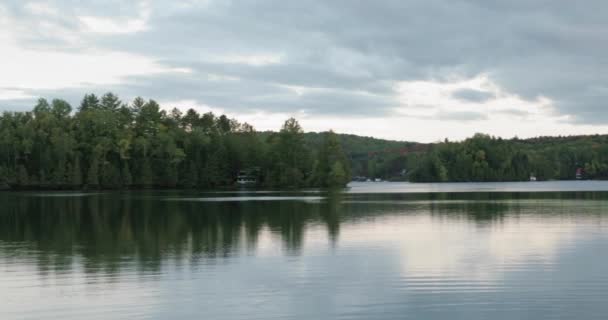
(377, 251)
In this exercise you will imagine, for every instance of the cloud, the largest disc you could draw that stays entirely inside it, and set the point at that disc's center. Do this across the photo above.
(460, 60)
(473, 95)
(462, 116)
(249, 59)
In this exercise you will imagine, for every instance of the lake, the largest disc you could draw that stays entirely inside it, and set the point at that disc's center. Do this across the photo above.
(531, 250)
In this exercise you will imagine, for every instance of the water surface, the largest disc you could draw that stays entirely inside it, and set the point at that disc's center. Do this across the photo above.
(376, 251)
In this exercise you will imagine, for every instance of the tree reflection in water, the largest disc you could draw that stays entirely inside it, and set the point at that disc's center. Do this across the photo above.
(108, 231)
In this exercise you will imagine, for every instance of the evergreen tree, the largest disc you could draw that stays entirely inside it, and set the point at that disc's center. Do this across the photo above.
(89, 102)
(110, 101)
(329, 155)
(108, 144)
(291, 156)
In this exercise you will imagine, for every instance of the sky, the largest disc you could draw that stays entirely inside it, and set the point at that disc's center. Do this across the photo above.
(415, 70)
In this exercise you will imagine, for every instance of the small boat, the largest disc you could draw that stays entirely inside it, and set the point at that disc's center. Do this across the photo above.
(247, 178)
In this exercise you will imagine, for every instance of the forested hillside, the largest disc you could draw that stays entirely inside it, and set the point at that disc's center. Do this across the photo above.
(372, 157)
(486, 158)
(109, 144)
(369, 157)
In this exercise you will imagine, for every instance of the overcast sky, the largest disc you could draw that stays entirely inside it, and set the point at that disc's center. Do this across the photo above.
(418, 70)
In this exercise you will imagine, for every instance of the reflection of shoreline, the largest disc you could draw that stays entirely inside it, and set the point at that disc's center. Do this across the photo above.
(245, 199)
(488, 187)
(105, 230)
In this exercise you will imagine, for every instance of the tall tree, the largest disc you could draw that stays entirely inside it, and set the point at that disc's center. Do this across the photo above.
(332, 168)
(89, 102)
(110, 101)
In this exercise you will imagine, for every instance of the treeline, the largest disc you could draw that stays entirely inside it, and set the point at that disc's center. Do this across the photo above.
(372, 157)
(486, 158)
(109, 144)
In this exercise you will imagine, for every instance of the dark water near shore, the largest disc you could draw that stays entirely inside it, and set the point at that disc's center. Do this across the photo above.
(376, 251)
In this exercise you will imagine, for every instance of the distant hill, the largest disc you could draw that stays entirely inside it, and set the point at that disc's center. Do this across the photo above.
(486, 158)
(479, 158)
(371, 157)
(354, 144)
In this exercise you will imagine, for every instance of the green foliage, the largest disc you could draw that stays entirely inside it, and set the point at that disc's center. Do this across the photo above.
(106, 143)
(290, 159)
(75, 173)
(485, 158)
(109, 144)
(93, 174)
(337, 176)
(110, 176)
(89, 102)
(332, 168)
(126, 177)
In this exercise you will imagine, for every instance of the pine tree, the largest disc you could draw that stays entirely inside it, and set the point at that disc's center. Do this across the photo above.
(89, 102)
(110, 101)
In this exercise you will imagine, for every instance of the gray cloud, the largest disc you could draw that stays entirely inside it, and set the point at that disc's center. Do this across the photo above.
(351, 52)
(473, 95)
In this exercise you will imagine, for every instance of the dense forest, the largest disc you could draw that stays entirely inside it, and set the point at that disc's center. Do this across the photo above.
(109, 144)
(486, 158)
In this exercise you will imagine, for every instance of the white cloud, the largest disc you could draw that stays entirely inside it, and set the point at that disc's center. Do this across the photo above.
(112, 26)
(41, 8)
(24, 68)
(338, 73)
(108, 25)
(432, 98)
